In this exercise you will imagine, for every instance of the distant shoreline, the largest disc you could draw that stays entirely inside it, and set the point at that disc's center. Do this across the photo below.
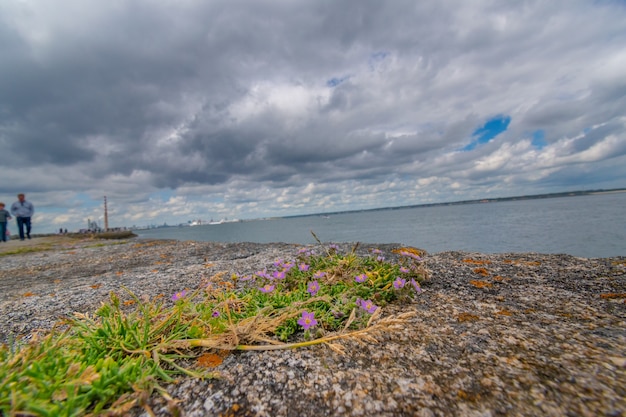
(476, 201)
(609, 192)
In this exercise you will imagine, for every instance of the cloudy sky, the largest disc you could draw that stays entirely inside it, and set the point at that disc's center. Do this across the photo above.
(186, 109)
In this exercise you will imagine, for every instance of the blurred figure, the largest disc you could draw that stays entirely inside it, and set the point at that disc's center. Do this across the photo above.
(23, 210)
(4, 217)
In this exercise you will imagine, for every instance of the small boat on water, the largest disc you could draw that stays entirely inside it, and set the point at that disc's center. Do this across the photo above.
(202, 222)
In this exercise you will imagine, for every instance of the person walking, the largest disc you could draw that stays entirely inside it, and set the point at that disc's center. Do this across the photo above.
(4, 217)
(23, 210)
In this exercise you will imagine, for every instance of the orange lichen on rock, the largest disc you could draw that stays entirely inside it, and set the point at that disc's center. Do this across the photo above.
(613, 295)
(466, 317)
(481, 271)
(210, 360)
(476, 261)
(481, 284)
(504, 312)
(467, 396)
(96, 286)
(414, 251)
(234, 411)
(28, 294)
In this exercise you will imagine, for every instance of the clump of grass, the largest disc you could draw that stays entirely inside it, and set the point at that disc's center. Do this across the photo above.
(27, 249)
(112, 360)
(121, 234)
(124, 234)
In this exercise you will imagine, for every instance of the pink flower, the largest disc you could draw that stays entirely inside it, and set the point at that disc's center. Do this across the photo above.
(307, 320)
(367, 305)
(263, 274)
(179, 295)
(313, 287)
(303, 267)
(360, 278)
(278, 274)
(319, 274)
(410, 255)
(417, 287)
(267, 288)
(306, 252)
(399, 283)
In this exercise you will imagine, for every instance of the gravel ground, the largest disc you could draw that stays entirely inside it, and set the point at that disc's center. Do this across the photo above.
(493, 335)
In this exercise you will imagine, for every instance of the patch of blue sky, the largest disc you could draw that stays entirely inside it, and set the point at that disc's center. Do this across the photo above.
(492, 128)
(539, 139)
(335, 81)
(163, 195)
(376, 58)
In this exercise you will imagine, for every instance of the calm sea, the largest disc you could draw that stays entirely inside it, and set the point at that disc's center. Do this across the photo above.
(587, 226)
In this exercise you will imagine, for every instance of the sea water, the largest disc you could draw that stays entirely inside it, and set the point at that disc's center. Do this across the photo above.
(586, 226)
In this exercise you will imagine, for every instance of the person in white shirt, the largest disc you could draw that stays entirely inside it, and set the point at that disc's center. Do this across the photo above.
(23, 210)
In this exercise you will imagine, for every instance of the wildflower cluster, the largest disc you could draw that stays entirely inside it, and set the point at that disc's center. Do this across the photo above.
(311, 292)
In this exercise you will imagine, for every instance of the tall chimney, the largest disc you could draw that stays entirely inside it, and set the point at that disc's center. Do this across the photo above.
(106, 215)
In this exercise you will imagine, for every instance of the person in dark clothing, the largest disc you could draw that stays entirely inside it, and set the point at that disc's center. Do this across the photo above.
(4, 217)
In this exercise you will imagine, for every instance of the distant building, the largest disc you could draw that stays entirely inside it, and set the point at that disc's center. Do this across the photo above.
(92, 226)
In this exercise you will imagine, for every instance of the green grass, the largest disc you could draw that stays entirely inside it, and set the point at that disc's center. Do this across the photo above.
(112, 360)
(126, 234)
(27, 249)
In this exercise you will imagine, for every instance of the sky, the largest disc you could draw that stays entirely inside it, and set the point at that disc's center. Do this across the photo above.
(244, 109)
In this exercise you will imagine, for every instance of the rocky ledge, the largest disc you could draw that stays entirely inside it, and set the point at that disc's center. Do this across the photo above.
(493, 335)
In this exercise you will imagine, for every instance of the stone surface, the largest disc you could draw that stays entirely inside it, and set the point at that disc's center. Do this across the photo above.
(494, 335)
